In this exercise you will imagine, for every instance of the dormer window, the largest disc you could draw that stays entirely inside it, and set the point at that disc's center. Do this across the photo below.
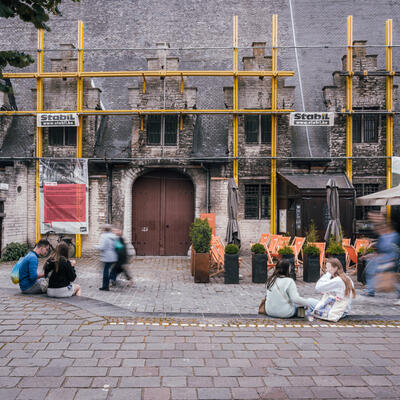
(162, 130)
(62, 136)
(257, 128)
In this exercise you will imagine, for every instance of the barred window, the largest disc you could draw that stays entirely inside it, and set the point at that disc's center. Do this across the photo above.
(257, 201)
(257, 128)
(365, 128)
(62, 136)
(362, 189)
(162, 129)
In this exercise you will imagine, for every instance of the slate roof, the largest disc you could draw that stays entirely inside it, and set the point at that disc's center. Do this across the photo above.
(317, 181)
(202, 24)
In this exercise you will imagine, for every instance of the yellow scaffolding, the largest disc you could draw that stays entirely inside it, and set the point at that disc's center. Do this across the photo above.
(389, 106)
(349, 99)
(235, 111)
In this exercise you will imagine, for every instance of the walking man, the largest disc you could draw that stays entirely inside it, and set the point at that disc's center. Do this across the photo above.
(120, 265)
(108, 255)
(30, 281)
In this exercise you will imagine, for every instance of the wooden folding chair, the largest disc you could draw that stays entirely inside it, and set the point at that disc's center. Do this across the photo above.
(345, 242)
(217, 256)
(263, 240)
(296, 246)
(351, 254)
(364, 242)
(281, 242)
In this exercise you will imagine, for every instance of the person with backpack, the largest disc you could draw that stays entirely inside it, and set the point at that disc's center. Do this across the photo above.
(61, 274)
(108, 255)
(282, 298)
(30, 280)
(120, 265)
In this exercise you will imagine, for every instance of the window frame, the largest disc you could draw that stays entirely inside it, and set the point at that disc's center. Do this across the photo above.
(260, 136)
(361, 119)
(263, 210)
(65, 134)
(162, 133)
(363, 210)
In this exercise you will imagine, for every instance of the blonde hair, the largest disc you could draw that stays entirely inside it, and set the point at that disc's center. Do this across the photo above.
(341, 274)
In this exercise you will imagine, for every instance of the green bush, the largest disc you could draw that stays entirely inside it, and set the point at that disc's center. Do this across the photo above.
(312, 234)
(334, 247)
(286, 251)
(311, 250)
(231, 249)
(13, 251)
(362, 251)
(258, 248)
(200, 235)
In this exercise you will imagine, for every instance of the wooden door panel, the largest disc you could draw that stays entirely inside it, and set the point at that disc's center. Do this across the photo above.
(146, 216)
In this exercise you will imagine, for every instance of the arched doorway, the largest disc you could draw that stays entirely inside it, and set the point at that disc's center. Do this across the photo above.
(162, 212)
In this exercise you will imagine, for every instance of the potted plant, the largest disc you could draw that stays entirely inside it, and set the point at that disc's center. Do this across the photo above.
(362, 262)
(231, 264)
(311, 256)
(336, 250)
(259, 260)
(286, 253)
(200, 235)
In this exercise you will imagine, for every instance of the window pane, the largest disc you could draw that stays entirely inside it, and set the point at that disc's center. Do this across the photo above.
(265, 200)
(251, 128)
(70, 135)
(266, 128)
(251, 201)
(171, 128)
(362, 189)
(357, 128)
(370, 128)
(154, 129)
(56, 136)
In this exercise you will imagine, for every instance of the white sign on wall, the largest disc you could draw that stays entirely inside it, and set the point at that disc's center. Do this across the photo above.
(62, 119)
(312, 119)
(282, 221)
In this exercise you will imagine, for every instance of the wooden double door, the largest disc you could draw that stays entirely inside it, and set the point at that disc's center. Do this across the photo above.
(162, 212)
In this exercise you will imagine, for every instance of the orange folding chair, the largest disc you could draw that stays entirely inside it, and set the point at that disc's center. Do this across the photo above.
(296, 246)
(364, 242)
(352, 256)
(321, 246)
(345, 242)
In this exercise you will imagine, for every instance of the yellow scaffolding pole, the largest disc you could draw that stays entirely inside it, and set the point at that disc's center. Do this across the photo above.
(389, 106)
(235, 101)
(274, 120)
(39, 130)
(79, 108)
(349, 99)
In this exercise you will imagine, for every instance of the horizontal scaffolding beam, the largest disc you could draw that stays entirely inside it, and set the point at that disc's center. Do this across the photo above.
(127, 74)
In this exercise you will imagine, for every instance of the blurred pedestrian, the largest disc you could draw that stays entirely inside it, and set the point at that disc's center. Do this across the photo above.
(108, 255)
(120, 266)
(387, 247)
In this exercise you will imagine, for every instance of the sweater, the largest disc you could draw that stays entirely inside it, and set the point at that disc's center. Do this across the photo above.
(61, 278)
(282, 298)
(334, 286)
(28, 271)
(107, 249)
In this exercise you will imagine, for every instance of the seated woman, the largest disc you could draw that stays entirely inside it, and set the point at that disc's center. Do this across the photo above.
(61, 273)
(282, 296)
(335, 282)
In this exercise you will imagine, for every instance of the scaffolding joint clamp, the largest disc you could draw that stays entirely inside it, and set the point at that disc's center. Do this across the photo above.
(392, 73)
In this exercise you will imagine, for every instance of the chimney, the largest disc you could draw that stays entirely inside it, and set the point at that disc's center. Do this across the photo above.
(162, 53)
(67, 51)
(258, 49)
(360, 50)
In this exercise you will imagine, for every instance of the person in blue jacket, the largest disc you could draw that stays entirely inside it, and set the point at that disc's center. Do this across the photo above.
(29, 278)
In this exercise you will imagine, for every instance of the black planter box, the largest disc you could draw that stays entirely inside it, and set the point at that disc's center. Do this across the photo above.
(360, 271)
(341, 258)
(311, 267)
(290, 258)
(231, 268)
(259, 271)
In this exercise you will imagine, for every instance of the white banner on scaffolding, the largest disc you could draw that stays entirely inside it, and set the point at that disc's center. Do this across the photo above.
(312, 119)
(64, 195)
(61, 119)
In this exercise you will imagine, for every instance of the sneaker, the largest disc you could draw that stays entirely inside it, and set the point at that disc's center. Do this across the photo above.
(397, 303)
(113, 283)
(104, 288)
(367, 294)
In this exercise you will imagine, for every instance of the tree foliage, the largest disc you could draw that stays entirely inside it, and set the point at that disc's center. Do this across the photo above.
(36, 12)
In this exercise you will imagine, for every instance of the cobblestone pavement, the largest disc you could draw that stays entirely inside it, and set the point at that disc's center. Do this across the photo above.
(165, 285)
(57, 350)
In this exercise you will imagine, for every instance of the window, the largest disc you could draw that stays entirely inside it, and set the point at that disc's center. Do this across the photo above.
(256, 202)
(362, 189)
(62, 136)
(365, 128)
(162, 130)
(257, 128)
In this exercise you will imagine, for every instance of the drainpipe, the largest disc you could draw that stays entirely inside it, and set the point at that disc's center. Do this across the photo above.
(109, 193)
(207, 187)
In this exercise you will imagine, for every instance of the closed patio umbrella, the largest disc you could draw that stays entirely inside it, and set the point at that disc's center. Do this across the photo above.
(232, 230)
(332, 197)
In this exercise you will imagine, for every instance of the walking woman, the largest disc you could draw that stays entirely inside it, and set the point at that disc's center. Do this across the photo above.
(61, 274)
(282, 297)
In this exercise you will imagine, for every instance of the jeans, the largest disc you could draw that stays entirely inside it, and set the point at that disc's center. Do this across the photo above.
(370, 272)
(118, 269)
(311, 305)
(106, 274)
(36, 288)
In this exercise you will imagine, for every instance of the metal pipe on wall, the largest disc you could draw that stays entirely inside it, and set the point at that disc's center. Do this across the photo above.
(109, 193)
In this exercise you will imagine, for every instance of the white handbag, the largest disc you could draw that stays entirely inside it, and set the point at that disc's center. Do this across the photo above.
(330, 308)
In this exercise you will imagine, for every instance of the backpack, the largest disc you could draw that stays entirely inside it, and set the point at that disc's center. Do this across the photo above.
(15, 271)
